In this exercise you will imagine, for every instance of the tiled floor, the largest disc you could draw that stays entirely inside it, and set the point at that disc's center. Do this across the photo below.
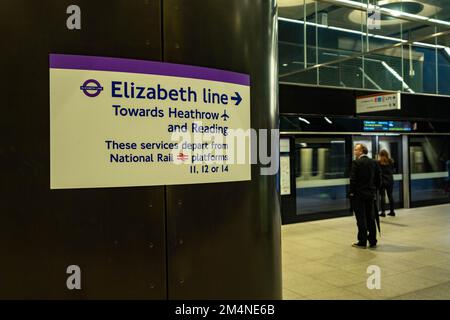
(413, 255)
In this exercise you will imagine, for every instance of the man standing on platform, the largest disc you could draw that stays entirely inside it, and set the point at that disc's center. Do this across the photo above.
(364, 181)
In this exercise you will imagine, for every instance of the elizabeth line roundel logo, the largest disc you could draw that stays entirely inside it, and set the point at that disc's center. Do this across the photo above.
(91, 88)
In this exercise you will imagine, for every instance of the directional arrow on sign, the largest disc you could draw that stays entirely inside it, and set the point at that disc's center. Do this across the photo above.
(237, 98)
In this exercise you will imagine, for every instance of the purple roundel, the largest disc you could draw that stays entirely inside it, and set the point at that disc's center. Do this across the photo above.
(91, 88)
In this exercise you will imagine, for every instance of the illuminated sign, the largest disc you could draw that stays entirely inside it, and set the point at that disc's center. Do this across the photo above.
(387, 126)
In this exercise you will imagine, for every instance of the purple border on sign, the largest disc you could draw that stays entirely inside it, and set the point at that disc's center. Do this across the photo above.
(67, 61)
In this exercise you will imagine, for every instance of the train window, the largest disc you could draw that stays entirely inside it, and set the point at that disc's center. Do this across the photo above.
(322, 177)
(430, 169)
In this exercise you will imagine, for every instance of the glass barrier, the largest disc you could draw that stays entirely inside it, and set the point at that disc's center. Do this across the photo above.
(393, 46)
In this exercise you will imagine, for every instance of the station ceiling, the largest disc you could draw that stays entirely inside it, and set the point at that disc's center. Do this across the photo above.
(406, 19)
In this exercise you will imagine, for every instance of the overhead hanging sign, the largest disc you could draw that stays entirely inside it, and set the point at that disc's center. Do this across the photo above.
(378, 102)
(120, 122)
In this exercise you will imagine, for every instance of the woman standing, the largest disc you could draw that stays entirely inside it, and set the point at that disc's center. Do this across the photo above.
(387, 182)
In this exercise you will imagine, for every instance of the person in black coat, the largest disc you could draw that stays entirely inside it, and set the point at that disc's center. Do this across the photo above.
(365, 178)
(387, 182)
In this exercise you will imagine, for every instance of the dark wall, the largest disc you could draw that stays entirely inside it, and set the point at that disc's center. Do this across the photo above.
(115, 235)
(224, 239)
(342, 102)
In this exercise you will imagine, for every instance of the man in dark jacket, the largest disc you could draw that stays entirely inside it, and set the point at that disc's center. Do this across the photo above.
(365, 178)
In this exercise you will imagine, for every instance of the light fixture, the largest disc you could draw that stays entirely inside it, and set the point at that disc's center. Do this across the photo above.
(439, 21)
(284, 64)
(345, 30)
(292, 3)
(351, 3)
(447, 51)
(428, 45)
(395, 74)
(302, 22)
(393, 8)
(304, 120)
(400, 14)
(328, 120)
(412, 73)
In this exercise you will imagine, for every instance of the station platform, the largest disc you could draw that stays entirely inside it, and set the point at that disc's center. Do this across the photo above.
(413, 255)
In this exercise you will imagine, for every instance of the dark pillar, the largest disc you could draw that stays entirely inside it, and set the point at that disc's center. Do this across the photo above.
(224, 238)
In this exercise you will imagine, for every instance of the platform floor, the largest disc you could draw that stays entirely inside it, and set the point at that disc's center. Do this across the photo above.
(413, 255)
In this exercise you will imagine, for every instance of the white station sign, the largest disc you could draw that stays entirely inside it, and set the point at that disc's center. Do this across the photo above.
(378, 102)
(120, 122)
